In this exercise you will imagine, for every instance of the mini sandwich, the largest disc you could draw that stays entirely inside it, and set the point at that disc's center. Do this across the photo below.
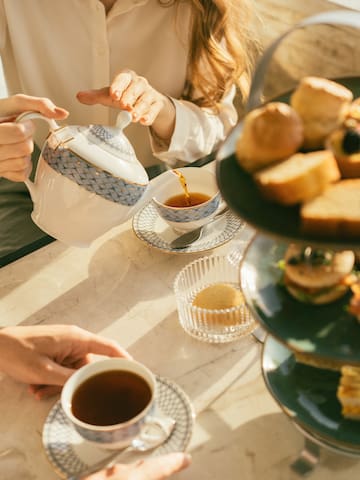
(318, 276)
(348, 392)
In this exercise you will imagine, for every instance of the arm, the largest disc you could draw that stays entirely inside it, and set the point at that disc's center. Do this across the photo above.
(16, 143)
(180, 130)
(46, 356)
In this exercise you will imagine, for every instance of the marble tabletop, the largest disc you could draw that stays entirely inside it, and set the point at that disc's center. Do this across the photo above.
(123, 288)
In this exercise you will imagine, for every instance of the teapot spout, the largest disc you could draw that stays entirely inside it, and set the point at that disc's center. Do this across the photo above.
(155, 185)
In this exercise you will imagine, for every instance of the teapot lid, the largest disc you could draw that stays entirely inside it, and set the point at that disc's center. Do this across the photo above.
(107, 148)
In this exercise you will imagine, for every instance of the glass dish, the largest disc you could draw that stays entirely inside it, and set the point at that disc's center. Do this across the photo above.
(215, 325)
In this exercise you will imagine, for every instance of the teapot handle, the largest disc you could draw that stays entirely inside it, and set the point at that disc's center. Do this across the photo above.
(53, 126)
(34, 115)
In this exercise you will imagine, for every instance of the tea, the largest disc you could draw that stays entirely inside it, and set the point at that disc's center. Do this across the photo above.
(110, 397)
(184, 186)
(182, 200)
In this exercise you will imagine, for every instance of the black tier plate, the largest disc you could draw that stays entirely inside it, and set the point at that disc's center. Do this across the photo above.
(241, 194)
(328, 332)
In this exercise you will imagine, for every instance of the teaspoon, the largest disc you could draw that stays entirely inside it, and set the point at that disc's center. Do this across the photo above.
(189, 237)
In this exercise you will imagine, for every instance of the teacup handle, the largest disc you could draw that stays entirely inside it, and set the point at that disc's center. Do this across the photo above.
(156, 426)
(32, 115)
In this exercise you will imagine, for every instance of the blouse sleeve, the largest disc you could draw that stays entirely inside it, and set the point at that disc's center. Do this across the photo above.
(198, 131)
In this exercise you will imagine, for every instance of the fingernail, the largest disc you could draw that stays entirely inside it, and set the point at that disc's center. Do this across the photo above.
(116, 94)
(60, 110)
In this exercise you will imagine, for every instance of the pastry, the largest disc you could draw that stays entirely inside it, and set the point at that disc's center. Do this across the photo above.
(345, 144)
(270, 133)
(322, 105)
(299, 178)
(348, 392)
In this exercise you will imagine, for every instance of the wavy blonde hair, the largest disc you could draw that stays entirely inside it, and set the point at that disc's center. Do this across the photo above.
(223, 48)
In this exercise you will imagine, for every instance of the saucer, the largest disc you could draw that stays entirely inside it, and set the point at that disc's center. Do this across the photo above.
(69, 453)
(153, 230)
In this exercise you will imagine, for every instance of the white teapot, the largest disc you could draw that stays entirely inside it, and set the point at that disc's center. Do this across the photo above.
(88, 180)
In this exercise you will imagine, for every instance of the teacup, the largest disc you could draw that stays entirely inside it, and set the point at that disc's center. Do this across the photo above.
(169, 198)
(109, 402)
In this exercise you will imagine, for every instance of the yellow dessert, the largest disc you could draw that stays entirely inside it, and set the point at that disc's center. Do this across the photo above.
(218, 296)
(219, 302)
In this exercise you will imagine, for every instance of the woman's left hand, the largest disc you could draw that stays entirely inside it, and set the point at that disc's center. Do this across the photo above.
(133, 93)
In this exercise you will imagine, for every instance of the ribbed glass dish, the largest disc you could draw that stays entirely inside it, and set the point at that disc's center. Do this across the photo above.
(215, 325)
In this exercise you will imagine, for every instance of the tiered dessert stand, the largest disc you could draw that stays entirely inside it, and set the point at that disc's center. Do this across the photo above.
(327, 334)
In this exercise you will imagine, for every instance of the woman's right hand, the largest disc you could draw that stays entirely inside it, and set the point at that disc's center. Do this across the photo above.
(16, 142)
(151, 468)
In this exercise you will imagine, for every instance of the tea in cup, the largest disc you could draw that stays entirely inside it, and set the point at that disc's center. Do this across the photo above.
(189, 199)
(110, 401)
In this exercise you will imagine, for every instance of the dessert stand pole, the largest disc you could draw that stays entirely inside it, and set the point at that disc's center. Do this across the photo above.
(310, 455)
(308, 459)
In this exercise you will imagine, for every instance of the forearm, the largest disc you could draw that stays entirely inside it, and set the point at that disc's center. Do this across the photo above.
(197, 131)
(8, 349)
(164, 124)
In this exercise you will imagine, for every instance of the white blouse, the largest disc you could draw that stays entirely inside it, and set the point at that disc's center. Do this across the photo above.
(56, 48)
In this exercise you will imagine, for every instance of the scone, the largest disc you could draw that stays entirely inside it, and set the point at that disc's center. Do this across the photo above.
(334, 213)
(345, 144)
(322, 105)
(299, 178)
(270, 133)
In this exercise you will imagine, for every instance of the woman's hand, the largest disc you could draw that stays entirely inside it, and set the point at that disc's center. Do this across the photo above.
(157, 468)
(133, 93)
(16, 143)
(46, 356)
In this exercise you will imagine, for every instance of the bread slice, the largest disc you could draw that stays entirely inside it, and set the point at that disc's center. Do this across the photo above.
(335, 213)
(318, 362)
(299, 178)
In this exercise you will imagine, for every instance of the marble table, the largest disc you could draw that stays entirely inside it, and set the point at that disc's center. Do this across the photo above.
(122, 288)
